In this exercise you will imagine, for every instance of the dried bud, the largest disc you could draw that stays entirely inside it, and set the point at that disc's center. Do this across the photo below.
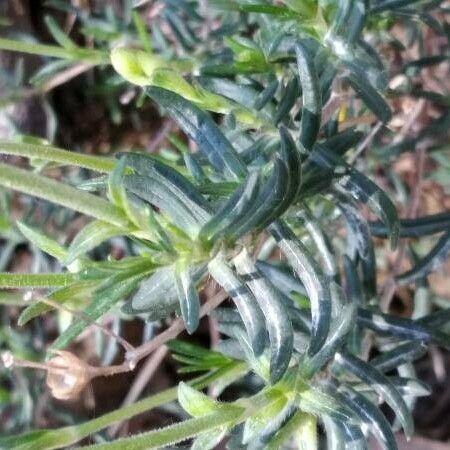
(7, 359)
(67, 375)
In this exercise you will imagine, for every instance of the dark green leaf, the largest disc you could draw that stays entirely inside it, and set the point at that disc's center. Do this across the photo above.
(434, 260)
(246, 303)
(277, 319)
(312, 101)
(313, 279)
(380, 384)
(199, 126)
(187, 296)
(233, 210)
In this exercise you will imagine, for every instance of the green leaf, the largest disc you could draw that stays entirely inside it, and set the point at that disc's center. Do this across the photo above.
(57, 155)
(167, 189)
(43, 242)
(323, 245)
(297, 423)
(75, 293)
(287, 101)
(35, 280)
(58, 34)
(156, 296)
(277, 193)
(277, 320)
(194, 402)
(209, 440)
(61, 194)
(432, 261)
(401, 354)
(361, 188)
(312, 99)
(370, 96)
(244, 300)
(187, 296)
(266, 95)
(199, 126)
(339, 329)
(91, 236)
(392, 325)
(371, 416)
(313, 279)
(106, 296)
(54, 51)
(381, 385)
(236, 207)
(255, 425)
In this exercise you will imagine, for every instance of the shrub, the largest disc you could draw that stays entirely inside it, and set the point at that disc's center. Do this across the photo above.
(265, 90)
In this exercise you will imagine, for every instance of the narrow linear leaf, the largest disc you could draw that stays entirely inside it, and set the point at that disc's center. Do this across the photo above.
(312, 99)
(402, 354)
(381, 385)
(194, 402)
(370, 96)
(187, 296)
(277, 319)
(435, 259)
(57, 155)
(372, 416)
(43, 242)
(35, 280)
(233, 210)
(315, 282)
(245, 302)
(415, 228)
(61, 194)
(113, 290)
(199, 126)
(91, 236)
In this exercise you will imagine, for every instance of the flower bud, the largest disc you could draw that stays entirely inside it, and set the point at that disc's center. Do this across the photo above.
(67, 375)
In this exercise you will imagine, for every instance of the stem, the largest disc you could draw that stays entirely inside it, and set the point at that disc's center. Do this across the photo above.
(67, 436)
(35, 280)
(61, 194)
(47, 153)
(307, 433)
(141, 380)
(53, 51)
(80, 314)
(175, 329)
(172, 434)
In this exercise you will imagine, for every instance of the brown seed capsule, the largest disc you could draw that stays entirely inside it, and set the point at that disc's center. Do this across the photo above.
(67, 375)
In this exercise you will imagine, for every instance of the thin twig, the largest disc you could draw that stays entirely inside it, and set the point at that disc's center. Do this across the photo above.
(366, 142)
(84, 317)
(159, 136)
(140, 382)
(172, 332)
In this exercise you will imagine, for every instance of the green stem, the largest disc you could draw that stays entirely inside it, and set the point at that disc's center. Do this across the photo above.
(35, 280)
(54, 51)
(170, 435)
(61, 194)
(67, 436)
(307, 433)
(47, 153)
(296, 422)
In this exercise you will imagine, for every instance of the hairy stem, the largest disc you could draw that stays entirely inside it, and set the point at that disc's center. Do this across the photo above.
(61, 194)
